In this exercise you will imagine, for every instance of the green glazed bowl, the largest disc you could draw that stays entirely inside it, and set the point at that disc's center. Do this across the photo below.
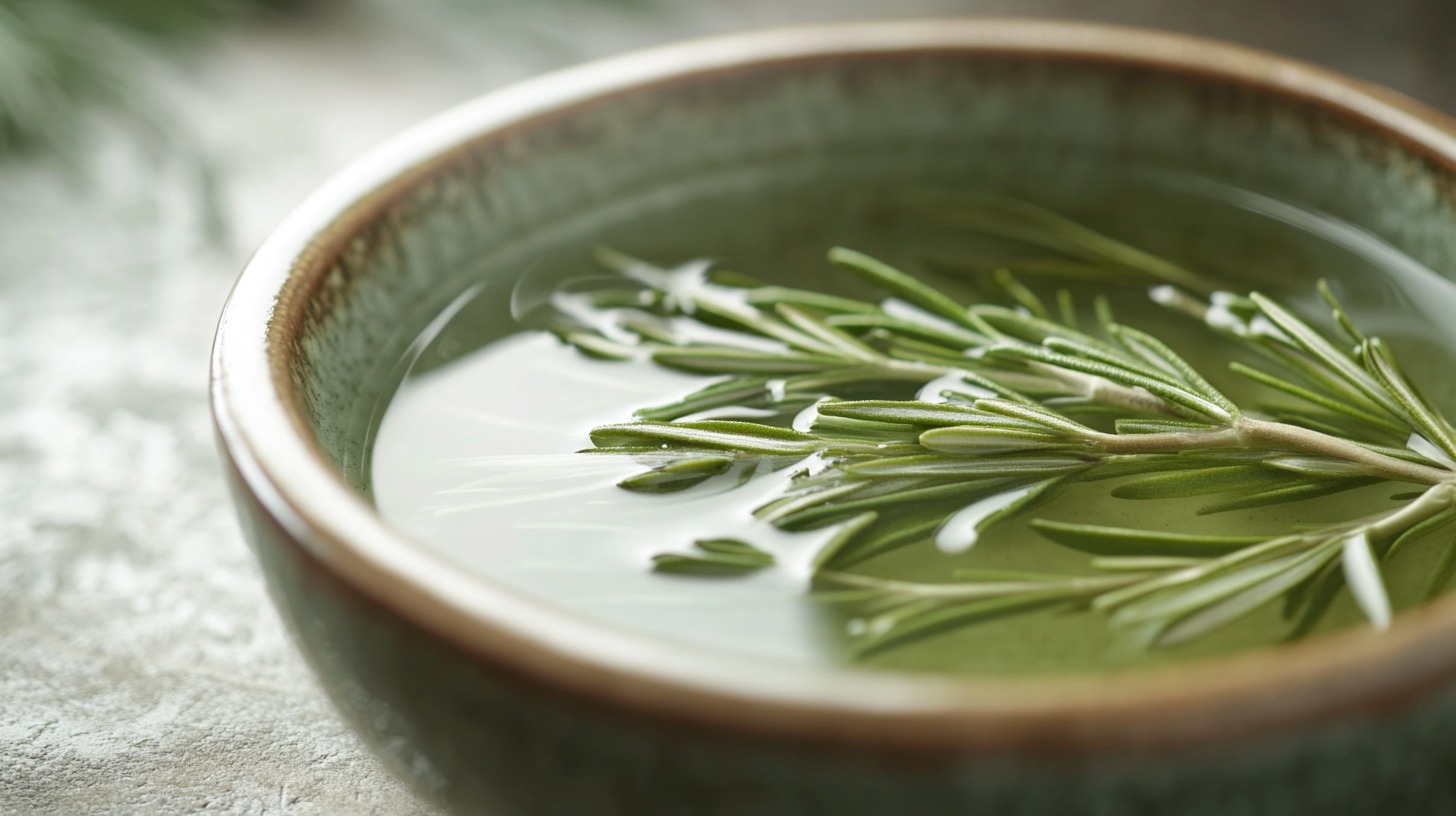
(490, 701)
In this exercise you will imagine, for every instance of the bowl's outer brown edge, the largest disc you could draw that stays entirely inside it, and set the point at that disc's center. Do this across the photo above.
(1351, 674)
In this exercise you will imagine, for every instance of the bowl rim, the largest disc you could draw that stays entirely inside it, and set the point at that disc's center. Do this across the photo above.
(265, 438)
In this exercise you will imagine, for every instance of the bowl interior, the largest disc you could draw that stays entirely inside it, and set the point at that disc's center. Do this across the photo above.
(764, 163)
(763, 167)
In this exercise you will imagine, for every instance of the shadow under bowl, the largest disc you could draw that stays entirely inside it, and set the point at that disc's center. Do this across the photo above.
(491, 701)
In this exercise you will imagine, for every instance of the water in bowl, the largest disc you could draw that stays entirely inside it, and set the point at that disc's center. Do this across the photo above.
(476, 454)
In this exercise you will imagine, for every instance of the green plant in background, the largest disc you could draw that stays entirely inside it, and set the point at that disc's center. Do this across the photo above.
(1017, 402)
(61, 58)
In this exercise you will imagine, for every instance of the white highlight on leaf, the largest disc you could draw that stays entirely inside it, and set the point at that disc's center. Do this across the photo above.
(1426, 448)
(687, 330)
(1362, 575)
(910, 313)
(728, 412)
(951, 381)
(1221, 316)
(961, 531)
(1171, 297)
(804, 420)
(1262, 326)
(682, 283)
(579, 308)
(813, 464)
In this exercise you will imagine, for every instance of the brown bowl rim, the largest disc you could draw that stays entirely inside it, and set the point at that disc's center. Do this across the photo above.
(263, 432)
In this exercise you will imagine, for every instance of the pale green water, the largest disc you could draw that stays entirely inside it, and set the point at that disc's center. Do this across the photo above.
(474, 456)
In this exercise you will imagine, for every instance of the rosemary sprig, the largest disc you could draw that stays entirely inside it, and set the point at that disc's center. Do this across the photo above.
(1010, 406)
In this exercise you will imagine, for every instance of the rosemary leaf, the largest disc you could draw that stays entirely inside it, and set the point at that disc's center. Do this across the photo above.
(599, 347)
(679, 475)
(1380, 362)
(893, 630)
(1337, 311)
(821, 513)
(729, 360)
(923, 414)
(1001, 576)
(961, 531)
(750, 391)
(1113, 359)
(1041, 267)
(1201, 482)
(1198, 405)
(1154, 351)
(1226, 598)
(710, 564)
(1066, 309)
(1037, 416)
(722, 434)
(715, 556)
(733, 546)
(783, 510)
(971, 467)
(830, 337)
(1252, 597)
(1122, 541)
(1418, 531)
(1144, 563)
(771, 296)
(1038, 330)
(1316, 466)
(1441, 576)
(1312, 599)
(842, 539)
(1322, 400)
(953, 338)
(987, 439)
(1024, 221)
(1285, 494)
(1321, 349)
(1019, 294)
(871, 543)
(1140, 425)
(907, 287)
(1362, 575)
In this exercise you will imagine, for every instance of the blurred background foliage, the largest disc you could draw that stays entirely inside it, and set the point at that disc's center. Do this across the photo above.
(64, 61)
(61, 58)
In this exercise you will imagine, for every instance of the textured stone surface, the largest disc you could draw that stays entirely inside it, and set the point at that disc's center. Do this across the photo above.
(142, 668)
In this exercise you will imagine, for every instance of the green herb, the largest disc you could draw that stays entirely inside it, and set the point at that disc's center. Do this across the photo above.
(715, 556)
(1014, 405)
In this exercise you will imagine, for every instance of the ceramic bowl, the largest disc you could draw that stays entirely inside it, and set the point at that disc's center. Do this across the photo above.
(494, 702)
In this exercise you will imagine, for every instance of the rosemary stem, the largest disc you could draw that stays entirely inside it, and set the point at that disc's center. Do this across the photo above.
(1170, 442)
(912, 369)
(1258, 433)
(1075, 586)
(1436, 499)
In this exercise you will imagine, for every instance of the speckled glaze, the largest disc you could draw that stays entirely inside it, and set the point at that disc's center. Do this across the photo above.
(492, 702)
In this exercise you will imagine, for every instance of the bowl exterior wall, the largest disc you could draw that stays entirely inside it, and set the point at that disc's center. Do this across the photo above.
(478, 738)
